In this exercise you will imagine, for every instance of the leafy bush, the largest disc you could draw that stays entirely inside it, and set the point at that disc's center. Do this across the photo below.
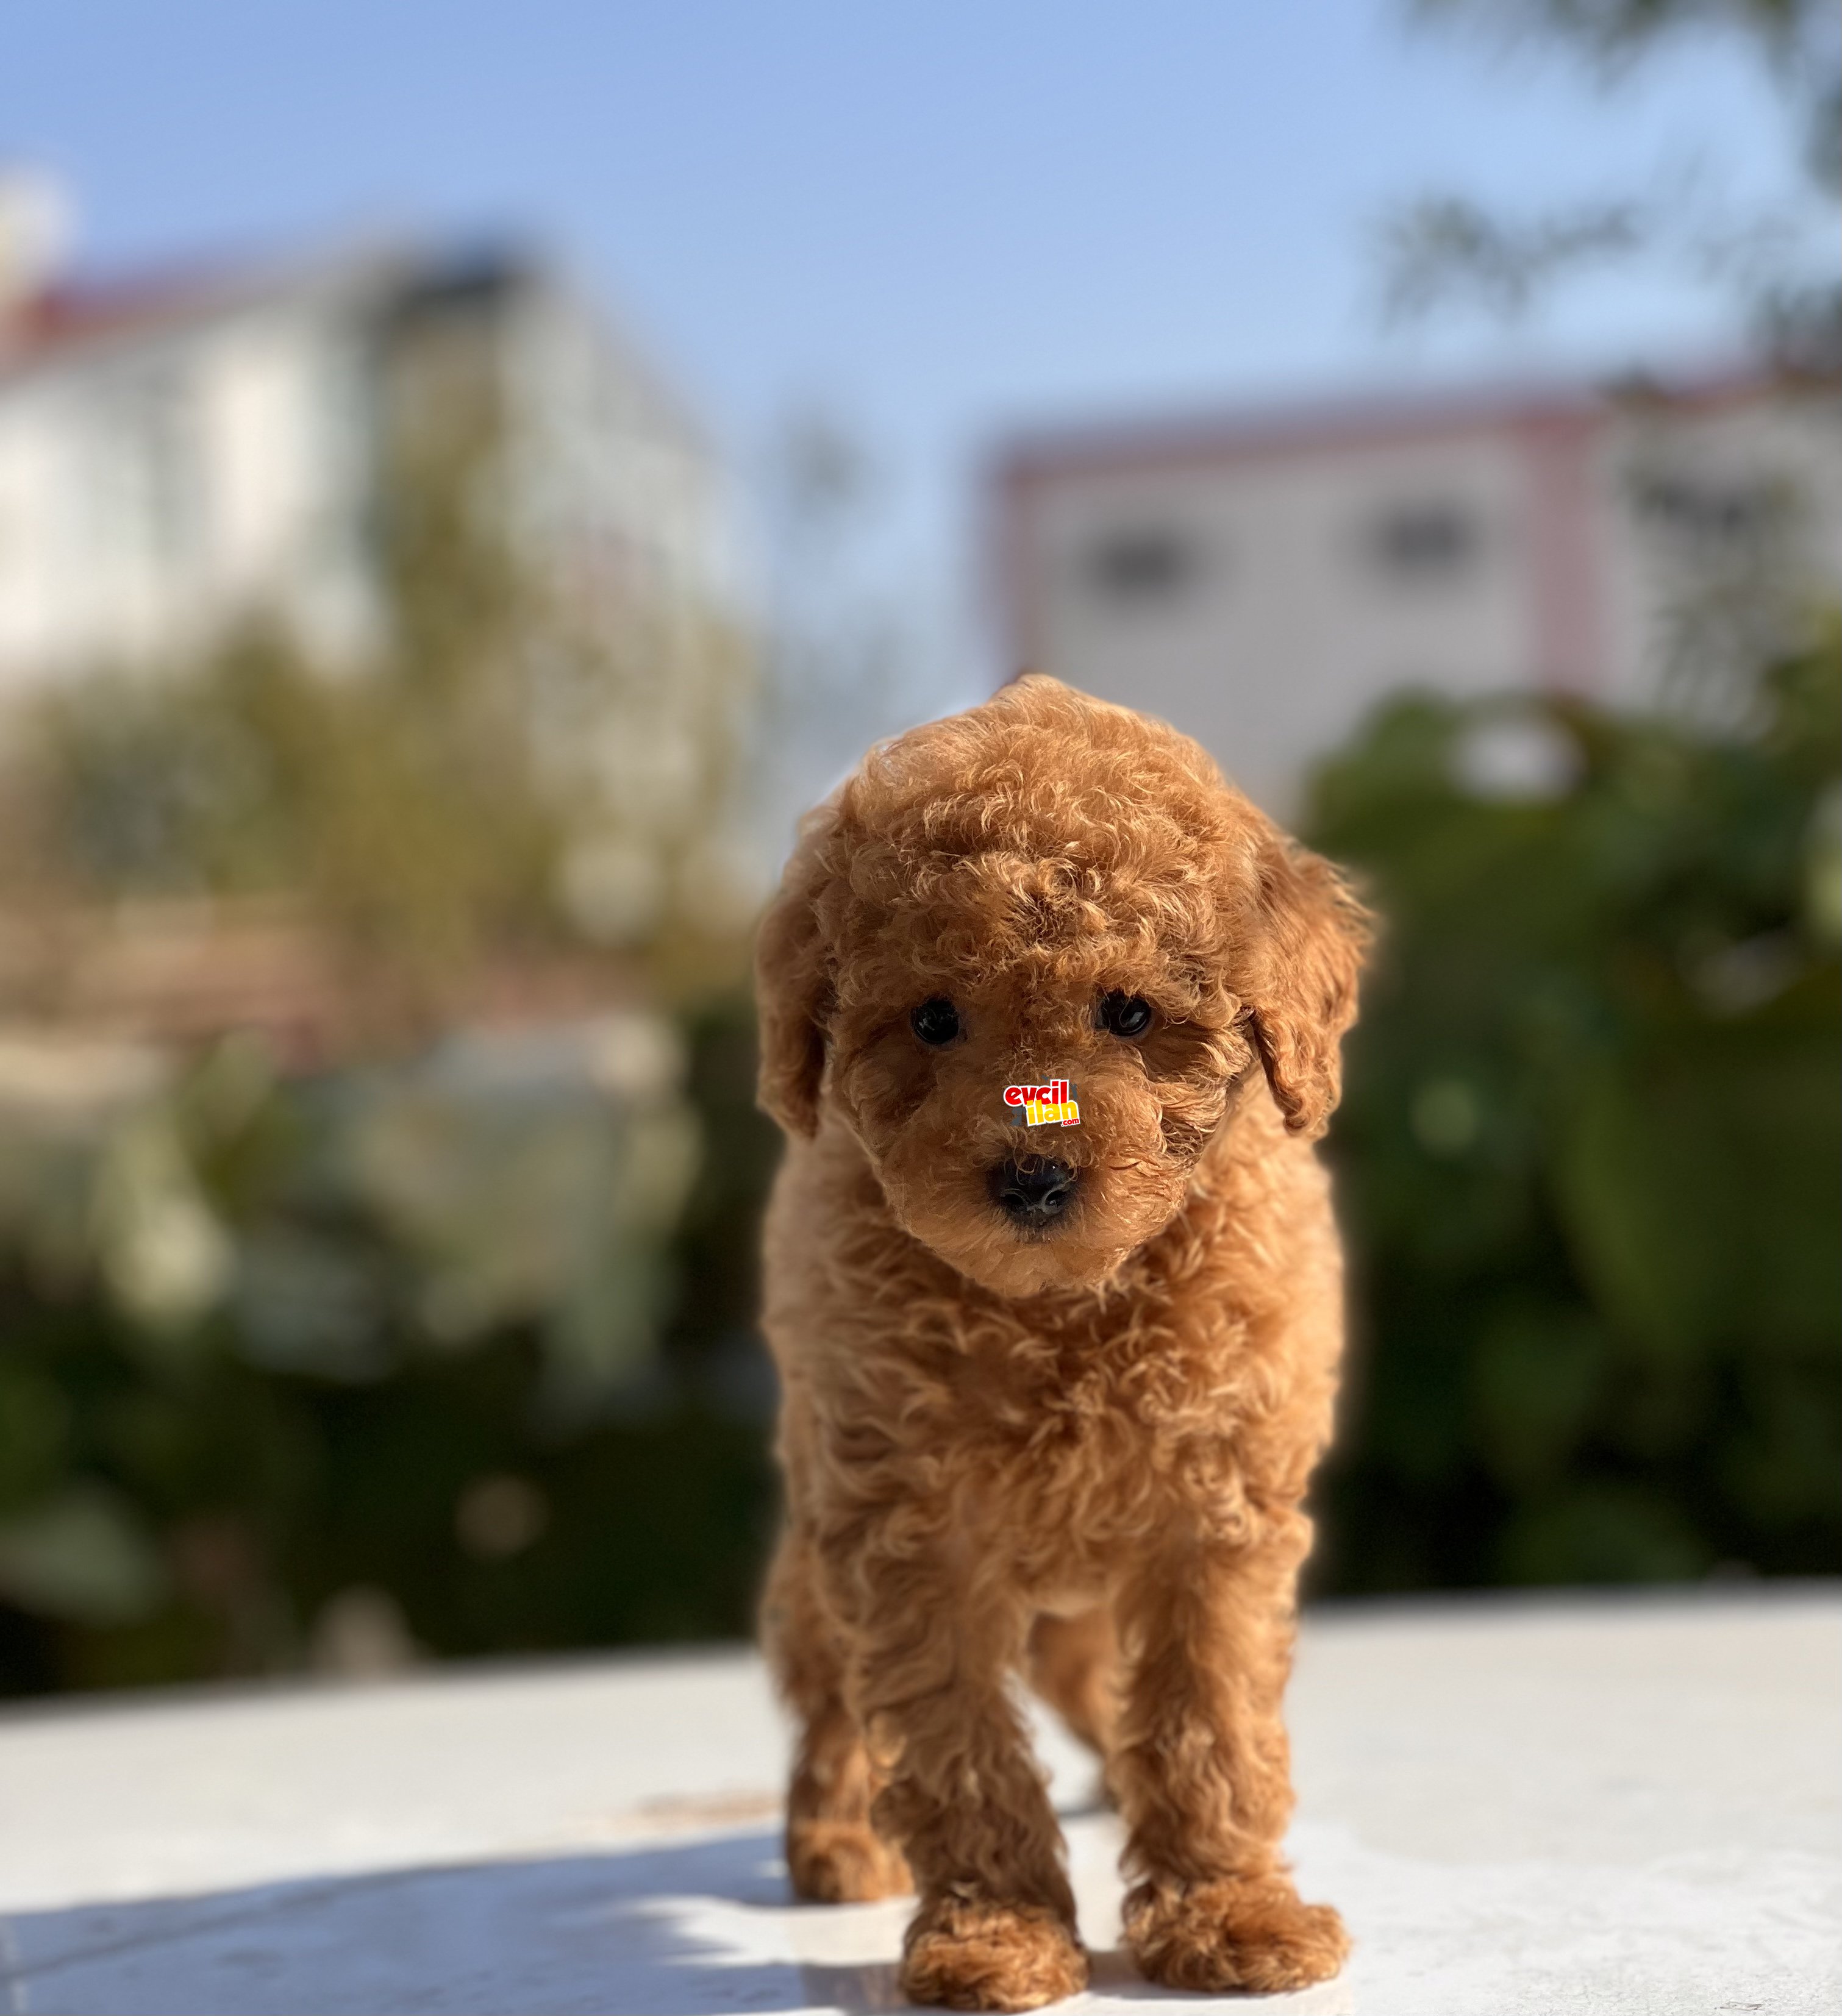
(323, 1370)
(1591, 1150)
(260, 1412)
(389, 1291)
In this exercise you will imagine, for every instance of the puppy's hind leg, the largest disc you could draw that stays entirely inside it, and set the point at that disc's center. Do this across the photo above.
(1073, 1664)
(835, 1856)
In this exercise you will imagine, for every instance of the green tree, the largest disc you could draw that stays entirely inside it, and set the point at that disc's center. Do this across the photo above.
(1591, 1154)
(428, 806)
(433, 1345)
(1446, 250)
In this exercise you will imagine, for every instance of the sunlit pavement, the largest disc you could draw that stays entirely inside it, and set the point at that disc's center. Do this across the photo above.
(1549, 1807)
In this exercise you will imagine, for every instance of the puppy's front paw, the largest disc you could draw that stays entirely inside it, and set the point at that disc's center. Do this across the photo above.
(1246, 1932)
(843, 1862)
(965, 1953)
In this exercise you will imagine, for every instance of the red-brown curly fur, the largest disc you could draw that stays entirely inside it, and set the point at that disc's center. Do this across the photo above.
(1080, 1453)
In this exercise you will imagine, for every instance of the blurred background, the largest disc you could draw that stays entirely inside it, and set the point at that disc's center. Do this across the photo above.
(467, 481)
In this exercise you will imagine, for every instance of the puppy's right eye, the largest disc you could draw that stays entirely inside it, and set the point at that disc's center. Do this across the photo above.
(936, 1022)
(1127, 1015)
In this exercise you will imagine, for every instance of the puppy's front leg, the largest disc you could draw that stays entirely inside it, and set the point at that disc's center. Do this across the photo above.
(933, 1643)
(1203, 1771)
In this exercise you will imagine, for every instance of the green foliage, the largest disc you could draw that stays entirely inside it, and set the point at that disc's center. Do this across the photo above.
(449, 1343)
(1614, 31)
(1591, 1148)
(429, 803)
(207, 1488)
(408, 1333)
(1445, 251)
(414, 832)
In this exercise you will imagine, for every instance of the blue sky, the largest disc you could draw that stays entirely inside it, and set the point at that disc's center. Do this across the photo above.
(941, 221)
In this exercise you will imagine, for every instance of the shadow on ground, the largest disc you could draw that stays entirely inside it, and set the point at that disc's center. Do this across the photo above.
(688, 1928)
(691, 1928)
(674, 1931)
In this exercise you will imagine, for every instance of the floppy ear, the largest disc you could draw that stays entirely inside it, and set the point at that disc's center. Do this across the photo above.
(793, 983)
(1308, 935)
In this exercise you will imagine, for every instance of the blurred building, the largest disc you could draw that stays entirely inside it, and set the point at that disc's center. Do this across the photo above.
(182, 450)
(1262, 581)
(190, 452)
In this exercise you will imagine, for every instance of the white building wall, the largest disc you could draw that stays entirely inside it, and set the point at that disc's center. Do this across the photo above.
(1267, 590)
(1742, 501)
(160, 484)
(1308, 584)
(1265, 593)
(154, 489)
(33, 506)
(627, 512)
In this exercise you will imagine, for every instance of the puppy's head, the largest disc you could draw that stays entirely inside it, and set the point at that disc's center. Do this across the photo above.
(1044, 890)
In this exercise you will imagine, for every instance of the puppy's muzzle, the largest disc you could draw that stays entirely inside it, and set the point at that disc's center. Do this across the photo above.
(1033, 1190)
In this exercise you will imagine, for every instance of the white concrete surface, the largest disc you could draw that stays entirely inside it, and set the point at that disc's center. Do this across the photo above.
(1523, 1809)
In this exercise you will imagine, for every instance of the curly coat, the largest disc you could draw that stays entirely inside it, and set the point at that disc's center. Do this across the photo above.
(1079, 1450)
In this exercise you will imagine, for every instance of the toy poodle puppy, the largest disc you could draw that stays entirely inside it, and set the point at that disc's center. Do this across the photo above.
(1050, 1015)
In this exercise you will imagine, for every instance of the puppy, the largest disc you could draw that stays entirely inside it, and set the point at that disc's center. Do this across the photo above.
(1055, 1369)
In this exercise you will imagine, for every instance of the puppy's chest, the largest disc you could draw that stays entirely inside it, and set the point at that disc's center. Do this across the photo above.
(1092, 1433)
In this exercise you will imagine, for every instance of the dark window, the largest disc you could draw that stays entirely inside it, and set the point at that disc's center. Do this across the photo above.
(1424, 542)
(1708, 515)
(1141, 563)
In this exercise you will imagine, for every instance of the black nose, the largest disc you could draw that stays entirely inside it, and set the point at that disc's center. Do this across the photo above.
(1034, 1190)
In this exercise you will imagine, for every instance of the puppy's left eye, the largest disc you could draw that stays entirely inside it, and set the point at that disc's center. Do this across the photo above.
(1124, 1014)
(936, 1022)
